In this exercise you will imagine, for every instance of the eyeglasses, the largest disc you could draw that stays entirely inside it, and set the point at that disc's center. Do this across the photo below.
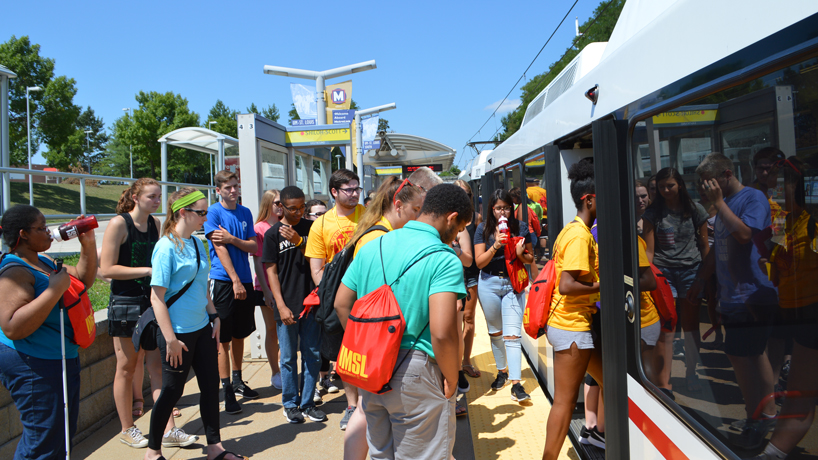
(200, 213)
(317, 214)
(294, 209)
(587, 195)
(277, 203)
(502, 208)
(351, 191)
(787, 162)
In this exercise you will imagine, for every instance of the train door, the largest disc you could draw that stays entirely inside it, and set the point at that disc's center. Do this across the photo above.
(738, 373)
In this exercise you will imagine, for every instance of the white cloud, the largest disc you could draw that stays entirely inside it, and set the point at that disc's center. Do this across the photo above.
(508, 105)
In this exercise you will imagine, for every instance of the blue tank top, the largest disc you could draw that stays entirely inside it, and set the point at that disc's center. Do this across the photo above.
(44, 343)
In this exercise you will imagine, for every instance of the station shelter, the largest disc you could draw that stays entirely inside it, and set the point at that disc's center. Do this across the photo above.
(401, 154)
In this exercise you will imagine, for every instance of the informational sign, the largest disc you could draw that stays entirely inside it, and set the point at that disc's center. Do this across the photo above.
(317, 137)
(339, 95)
(304, 101)
(343, 117)
(410, 169)
(370, 130)
(688, 116)
(302, 122)
(388, 170)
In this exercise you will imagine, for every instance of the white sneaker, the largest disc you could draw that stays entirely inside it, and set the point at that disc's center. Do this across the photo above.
(133, 437)
(275, 381)
(178, 438)
(317, 399)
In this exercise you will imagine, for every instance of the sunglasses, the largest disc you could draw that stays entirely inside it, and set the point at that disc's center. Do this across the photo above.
(786, 162)
(201, 213)
(587, 195)
(317, 214)
(402, 184)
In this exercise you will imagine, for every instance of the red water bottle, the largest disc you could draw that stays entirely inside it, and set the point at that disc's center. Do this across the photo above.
(502, 225)
(74, 228)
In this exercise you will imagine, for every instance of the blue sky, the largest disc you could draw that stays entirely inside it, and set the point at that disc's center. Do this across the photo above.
(446, 65)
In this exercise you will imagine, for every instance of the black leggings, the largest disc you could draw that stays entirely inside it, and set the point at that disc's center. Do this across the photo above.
(203, 358)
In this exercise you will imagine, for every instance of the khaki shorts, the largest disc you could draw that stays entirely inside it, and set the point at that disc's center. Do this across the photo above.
(414, 420)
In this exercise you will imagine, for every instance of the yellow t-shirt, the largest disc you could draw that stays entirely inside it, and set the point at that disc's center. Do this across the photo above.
(797, 265)
(538, 194)
(648, 310)
(372, 235)
(331, 232)
(574, 249)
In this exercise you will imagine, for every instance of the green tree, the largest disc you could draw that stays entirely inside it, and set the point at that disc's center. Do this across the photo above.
(270, 112)
(293, 114)
(225, 118)
(53, 113)
(453, 171)
(88, 149)
(599, 30)
(383, 124)
(157, 115)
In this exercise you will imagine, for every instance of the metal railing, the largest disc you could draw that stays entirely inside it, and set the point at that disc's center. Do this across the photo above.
(6, 188)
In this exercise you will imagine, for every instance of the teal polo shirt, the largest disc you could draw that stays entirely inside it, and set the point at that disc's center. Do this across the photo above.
(439, 272)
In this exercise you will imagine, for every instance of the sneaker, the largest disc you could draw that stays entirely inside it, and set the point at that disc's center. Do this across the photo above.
(785, 373)
(738, 425)
(293, 415)
(231, 406)
(329, 385)
(500, 381)
(463, 383)
(133, 437)
(275, 381)
(595, 438)
(518, 393)
(241, 389)
(316, 415)
(678, 349)
(317, 399)
(178, 438)
(583, 435)
(753, 434)
(347, 415)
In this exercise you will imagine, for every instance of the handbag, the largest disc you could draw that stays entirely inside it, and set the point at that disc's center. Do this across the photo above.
(145, 334)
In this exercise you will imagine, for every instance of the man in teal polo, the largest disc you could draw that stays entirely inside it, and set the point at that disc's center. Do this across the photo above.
(427, 294)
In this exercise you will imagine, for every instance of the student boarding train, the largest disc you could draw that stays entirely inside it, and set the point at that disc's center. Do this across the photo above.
(711, 109)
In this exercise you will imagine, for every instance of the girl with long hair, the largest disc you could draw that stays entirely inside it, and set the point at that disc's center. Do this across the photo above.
(268, 215)
(30, 338)
(394, 204)
(189, 329)
(675, 230)
(569, 327)
(125, 259)
(502, 306)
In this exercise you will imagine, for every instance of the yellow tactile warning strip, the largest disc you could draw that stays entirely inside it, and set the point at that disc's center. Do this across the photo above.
(502, 428)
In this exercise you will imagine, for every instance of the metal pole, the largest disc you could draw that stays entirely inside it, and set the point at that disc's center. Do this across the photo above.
(4, 140)
(361, 158)
(131, 148)
(164, 173)
(82, 196)
(320, 102)
(28, 130)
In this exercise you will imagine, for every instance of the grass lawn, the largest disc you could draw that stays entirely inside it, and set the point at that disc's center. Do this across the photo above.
(65, 199)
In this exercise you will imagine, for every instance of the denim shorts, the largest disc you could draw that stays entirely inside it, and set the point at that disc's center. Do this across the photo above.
(681, 278)
(561, 339)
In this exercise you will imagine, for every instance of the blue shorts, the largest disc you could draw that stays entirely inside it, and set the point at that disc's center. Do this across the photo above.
(681, 278)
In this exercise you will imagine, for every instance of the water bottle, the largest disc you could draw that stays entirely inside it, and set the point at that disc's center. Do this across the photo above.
(74, 228)
(502, 225)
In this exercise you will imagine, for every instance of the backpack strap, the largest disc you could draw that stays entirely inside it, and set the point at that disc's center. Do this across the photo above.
(179, 294)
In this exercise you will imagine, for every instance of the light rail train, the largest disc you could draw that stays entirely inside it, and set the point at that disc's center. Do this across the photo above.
(676, 81)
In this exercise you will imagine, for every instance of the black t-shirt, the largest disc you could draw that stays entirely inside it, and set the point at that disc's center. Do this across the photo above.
(498, 262)
(293, 268)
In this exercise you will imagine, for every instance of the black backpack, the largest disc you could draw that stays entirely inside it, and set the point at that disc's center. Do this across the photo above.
(330, 282)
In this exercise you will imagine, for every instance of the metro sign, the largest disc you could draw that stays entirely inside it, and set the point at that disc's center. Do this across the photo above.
(338, 96)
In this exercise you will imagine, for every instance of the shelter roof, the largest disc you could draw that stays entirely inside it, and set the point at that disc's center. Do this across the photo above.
(408, 149)
(196, 138)
(4, 71)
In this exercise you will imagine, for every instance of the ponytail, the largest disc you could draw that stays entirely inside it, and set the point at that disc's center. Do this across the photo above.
(126, 202)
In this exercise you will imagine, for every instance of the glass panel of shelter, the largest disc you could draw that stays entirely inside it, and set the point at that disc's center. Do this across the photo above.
(742, 360)
(273, 168)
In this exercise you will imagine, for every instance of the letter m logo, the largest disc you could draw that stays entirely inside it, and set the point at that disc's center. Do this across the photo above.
(338, 96)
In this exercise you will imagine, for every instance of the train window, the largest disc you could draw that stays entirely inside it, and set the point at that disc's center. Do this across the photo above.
(732, 227)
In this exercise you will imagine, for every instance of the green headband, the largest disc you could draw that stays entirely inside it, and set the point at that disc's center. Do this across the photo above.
(187, 200)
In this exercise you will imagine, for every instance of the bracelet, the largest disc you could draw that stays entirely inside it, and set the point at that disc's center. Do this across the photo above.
(212, 316)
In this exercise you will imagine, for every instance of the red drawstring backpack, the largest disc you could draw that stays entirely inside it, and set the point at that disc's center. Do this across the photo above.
(312, 300)
(538, 305)
(372, 337)
(663, 298)
(514, 266)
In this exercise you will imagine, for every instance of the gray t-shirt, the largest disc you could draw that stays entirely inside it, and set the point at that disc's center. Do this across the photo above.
(674, 237)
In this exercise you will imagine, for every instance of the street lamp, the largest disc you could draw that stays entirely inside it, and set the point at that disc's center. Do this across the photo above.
(28, 128)
(130, 146)
(210, 157)
(339, 156)
(360, 141)
(320, 77)
(88, 144)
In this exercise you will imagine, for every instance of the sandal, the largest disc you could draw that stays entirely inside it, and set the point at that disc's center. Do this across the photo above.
(693, 383)
(138, 411)
(471, 371)
(460, 410)
(226, 453)
(176, 412)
